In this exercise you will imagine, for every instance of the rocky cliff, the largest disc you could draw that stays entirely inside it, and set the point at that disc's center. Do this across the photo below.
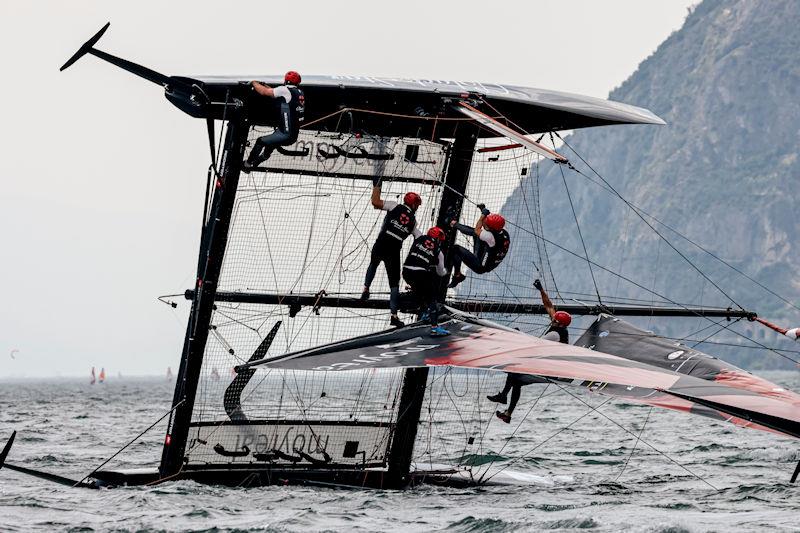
(724, 172)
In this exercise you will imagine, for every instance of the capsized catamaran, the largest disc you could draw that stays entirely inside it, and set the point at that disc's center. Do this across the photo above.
(322, 392)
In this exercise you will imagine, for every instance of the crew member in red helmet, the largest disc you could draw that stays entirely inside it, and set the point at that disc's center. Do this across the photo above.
(291, 104)
(398, 224)
(490, 245)
(423, 269)
(556, 332)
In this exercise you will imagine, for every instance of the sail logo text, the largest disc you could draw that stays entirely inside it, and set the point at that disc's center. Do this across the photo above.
(362, 360)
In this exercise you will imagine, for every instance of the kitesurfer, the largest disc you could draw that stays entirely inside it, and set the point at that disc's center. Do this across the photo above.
(556, 332)
(291, 109)
(398, 224)
(490, 245)
(422, 270)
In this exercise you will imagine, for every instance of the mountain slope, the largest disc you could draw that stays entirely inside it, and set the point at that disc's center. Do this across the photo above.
(724, 172)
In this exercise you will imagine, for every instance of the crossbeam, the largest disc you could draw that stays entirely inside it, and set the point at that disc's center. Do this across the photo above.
(407, 304)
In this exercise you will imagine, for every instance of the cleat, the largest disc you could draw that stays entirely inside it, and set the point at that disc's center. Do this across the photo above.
(247, 167)
(396, 322)
(457, 278)
(439, 331)
(365, 295)
(505, 417)
(498, 398)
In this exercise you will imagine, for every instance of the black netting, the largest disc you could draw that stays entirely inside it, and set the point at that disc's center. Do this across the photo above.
(302, 224)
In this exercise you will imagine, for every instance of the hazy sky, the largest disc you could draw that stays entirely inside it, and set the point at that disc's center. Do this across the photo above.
(103, 179)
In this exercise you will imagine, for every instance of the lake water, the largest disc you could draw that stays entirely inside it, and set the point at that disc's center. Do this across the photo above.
(584, 477)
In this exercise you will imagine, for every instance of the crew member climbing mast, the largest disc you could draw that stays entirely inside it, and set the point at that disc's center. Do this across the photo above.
(291, 102)
(557, 332)
(398, 224)
(490, 245)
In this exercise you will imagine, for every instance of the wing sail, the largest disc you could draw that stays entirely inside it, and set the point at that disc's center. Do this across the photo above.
(480, 344)
(615, 336)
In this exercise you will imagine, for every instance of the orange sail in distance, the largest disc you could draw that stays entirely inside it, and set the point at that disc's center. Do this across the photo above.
(102, 376)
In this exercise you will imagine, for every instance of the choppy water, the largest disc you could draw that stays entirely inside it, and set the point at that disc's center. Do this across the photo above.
(574, 481)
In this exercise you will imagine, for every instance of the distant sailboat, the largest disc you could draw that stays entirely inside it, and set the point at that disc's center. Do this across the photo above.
(102, 376)
(169, 373)
(94, 379)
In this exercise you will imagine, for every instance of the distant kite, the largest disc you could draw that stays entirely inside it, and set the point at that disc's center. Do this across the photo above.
(14, 351)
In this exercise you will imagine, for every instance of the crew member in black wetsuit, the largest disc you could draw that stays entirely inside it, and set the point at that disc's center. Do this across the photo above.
(490, 245)
(398, 224)
(557, 332)
(291, 104)
(422, 270)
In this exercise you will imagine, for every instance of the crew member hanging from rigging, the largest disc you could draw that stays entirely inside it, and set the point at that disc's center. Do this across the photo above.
(398, 224)
(556, 332)
(422, 270)
(490, 245)
(290, 102)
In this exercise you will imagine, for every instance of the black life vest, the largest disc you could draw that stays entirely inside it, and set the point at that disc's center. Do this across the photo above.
(424, 254)
(292, 113)
(491, 257)
(397, 225)
(563, 334)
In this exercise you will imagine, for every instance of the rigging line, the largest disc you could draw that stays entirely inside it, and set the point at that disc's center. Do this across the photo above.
(457, 410)
(580, 233)
(660, 235)
(762, 345)
(712, 334)
(635, 444)
(269, 251)
(552, 436)
(540, 227)
(629, 205)
(712, 254)
(310, 234)
(633, 282)
(657, 294)
(626, 430)
(705, 250)
(655, 278)
(151, 426)
(601, 267)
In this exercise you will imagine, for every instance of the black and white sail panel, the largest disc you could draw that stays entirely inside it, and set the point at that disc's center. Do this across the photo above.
(357, 156)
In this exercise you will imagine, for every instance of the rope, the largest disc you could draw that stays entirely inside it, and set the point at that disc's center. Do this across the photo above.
(660, 235)
(137, 437)
(552, 436)
(580, 233)
(635, 444)
(626, 430)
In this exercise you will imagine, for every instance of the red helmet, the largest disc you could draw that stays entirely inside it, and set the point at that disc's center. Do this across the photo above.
(412, 200)
(562, 318)
(437, 233)
(292, 78)
(495, 222)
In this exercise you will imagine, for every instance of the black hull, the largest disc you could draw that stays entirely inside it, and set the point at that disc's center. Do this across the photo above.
(262, 477)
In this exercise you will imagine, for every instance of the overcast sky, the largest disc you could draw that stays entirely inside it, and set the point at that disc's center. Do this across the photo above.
(103, 179)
